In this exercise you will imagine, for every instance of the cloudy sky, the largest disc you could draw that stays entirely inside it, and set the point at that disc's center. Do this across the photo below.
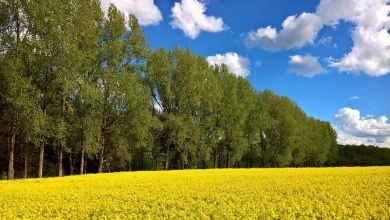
(332, 57)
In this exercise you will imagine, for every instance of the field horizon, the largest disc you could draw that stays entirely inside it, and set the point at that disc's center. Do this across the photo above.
(192, 169)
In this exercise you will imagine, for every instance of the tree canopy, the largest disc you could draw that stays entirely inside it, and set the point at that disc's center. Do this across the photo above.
(83, 92)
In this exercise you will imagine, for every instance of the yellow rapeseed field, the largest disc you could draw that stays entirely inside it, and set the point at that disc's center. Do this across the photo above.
(288, 193)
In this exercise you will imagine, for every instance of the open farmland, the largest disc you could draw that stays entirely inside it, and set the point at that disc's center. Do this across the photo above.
(358, 193)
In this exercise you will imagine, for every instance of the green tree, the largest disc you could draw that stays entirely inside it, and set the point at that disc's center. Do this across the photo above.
(124, 52)
(232, 114)
(83, 95)
(49, 67)
(187, 92)
(276, 130)
(253, 130)
(18, 96)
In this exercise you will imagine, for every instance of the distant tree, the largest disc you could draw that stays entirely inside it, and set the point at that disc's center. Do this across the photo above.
(361, 155)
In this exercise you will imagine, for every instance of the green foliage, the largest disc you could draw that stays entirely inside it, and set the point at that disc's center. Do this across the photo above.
(352, 155)
(88, 85)
(3, 175)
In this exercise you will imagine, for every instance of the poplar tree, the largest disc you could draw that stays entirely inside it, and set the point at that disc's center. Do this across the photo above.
(18, 97)
(84, 98)
(121, 84)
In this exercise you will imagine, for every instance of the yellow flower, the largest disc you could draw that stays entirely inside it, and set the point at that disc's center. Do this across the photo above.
(288, 193)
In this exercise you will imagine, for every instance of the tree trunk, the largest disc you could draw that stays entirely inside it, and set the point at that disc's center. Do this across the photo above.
(101, 160)
(25, 171)
(130, 156)
(130, 162)
(41, 157)
(167, 163)
(82, 162)
(129, 166)
(59, 160)
(41, 151)
(183, 162)
(85, 166)
(103, 133)
(167, 158)
(11, 153)
(60, 147)
(215, 159)
(142, 160)
(219, 160)
(228, 160)
(71, 168)
(251, 160)
(107, 165)
(179, 161)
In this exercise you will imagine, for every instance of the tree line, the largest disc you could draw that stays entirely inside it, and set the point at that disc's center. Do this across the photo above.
(82, 92)
(362, 155)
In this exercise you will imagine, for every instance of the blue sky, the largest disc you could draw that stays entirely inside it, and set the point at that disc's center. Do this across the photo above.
(332, 57)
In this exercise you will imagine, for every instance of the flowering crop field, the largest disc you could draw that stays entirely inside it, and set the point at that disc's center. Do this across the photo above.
(284, 193)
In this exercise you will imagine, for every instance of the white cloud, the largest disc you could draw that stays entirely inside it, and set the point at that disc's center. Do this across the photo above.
(354, 97)
(354, 129)
(371, 50)
(189, 16)
(146, 11)
(295, 32)
(346, 138)
(305, 65)
(366, 13)
(237, 64)
(370, 53)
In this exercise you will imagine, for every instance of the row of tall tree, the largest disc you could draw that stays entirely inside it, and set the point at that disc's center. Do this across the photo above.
(82, 91)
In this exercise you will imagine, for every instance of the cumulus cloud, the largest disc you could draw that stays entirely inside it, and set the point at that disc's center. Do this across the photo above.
(354, 129)
(305, 65)
(371, 50)
(366, 13)
(189, 16)
(346, 138)
(237, 64)
(145, 11)
(295, 32)
(370, 53)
